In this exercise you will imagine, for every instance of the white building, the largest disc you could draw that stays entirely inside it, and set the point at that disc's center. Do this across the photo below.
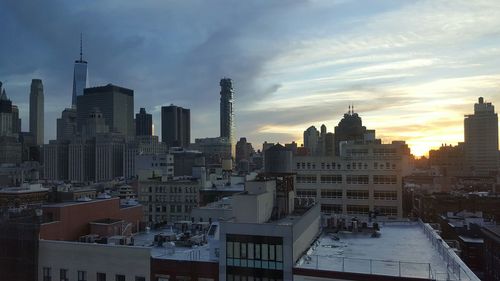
(365, 179)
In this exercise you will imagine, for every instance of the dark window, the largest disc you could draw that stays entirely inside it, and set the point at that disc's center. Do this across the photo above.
(63, 274)
(47, 274)
(119, 277)
(101, 276)
(82, 275)
(140, 278)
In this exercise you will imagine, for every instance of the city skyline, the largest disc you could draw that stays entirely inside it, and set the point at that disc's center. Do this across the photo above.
(412, 74)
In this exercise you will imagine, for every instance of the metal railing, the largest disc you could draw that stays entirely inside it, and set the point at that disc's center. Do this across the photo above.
(373, 266)
(456, 268)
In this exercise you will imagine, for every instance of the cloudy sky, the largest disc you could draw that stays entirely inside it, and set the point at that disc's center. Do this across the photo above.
(412, 69)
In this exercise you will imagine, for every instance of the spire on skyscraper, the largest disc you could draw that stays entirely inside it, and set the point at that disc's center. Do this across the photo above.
(81, 47)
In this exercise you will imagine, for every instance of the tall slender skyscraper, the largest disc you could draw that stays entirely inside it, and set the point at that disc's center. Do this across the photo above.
(37, 110)
(79, 76)
(175, 126)
(226, 109)
(481, 139)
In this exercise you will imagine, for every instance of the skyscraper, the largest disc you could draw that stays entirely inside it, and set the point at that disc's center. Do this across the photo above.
(350, 128)
(481, 139)
(175, 126)
(5, 114)
(66, 125)
(226, 109)
(116, 104)
(37, 110)
(143, 123)
(311, 139)
(79, 76)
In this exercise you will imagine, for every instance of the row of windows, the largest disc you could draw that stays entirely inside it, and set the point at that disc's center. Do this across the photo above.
(82, 275)
(359, 209)
(172, 198)
(385, 195)
(350, 194)
(348, 166)
(357, 194)
(331, 178)
(233, 277)
(254, 251)
(350, 179)
(171, 189)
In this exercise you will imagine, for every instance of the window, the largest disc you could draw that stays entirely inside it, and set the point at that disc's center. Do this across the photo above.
(331, 209)
(306, 178)
(101, 276)
(357, 209)
(331, 178)
(119, 277)
(357, 194)
(82, 275)
(387, 210)
(385, 195)
(357, 179)
(384, 179)
(331, 193)
(306, 193)
(47, 274)
(63, 274)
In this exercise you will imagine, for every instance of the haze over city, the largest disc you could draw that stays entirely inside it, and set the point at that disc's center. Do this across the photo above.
(411, 69)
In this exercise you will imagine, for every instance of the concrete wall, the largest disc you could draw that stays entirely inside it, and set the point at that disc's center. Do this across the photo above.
(93, 258)
(252, 208)
(305, 231)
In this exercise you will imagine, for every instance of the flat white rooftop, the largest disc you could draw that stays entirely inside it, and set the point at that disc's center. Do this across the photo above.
(408, 249)
(195, 253)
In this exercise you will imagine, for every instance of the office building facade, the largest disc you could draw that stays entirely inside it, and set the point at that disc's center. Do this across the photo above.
(143, 123)
(481, 140)
(79, 77)
(175, 126)
(226, 109)
(116, 104)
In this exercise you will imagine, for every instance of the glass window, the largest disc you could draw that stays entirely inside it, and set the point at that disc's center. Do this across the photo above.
(82, 275)
(236, 250)
(141, 278)
(257, 252)
(47, 275)
(272, 256)
(279, 252)
(265, 249)
(101, 276)
(63, 274)
(229, 249)
(250, 251)
(119, 277)
(243, 250)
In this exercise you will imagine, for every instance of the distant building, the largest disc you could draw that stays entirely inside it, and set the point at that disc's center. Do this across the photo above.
(214, 149)
(449, 159)
(168, 200)
(226, 109)
(115, 103)
(37, 111)
(243, 150)
(66, 125)
(79, 77)
(175, 126)
(311, 139)
(350, 128)
(143, 123)
(363, 181)
(16, 121)
(481, 140)
(6, 129)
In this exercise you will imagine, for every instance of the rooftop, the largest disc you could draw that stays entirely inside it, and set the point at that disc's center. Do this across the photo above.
(25, 188)
(408, 249)
(170, 251)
